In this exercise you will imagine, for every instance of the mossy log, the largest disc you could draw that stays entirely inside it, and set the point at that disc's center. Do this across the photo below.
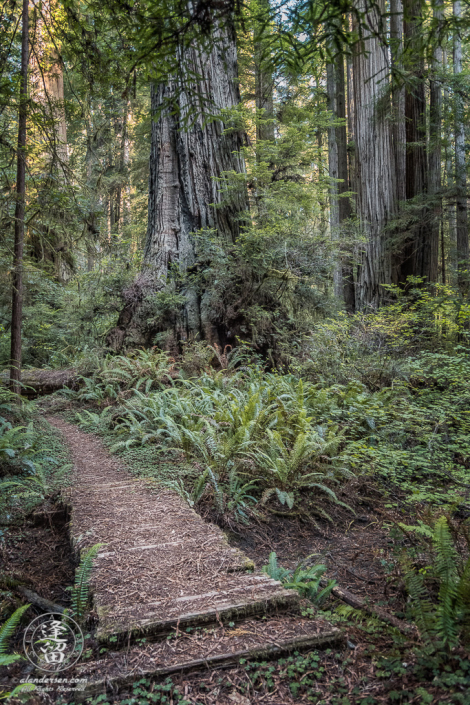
(36, 382)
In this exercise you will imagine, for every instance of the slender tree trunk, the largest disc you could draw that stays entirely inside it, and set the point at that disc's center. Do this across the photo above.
(398, 96)
(340, 208)
(351, 146)
(123, 166)
(264, 82)
(434, 160)
(92, 229)
(47, 88)
(54, 94)
(460, 172)
(375, 175)
(17, 294)
(450, 191)
(190, 151)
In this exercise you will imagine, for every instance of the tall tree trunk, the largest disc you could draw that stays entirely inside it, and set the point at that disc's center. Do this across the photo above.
(91, 161)
(435, 119)
(460, 172)
(54, 93)
(17, 293)
(420, 251)
(190, 151)
(375, 175)
(450, 191)
(264, 82)
(47, 88)
(398, 96)
(121, 213)
(340, 207)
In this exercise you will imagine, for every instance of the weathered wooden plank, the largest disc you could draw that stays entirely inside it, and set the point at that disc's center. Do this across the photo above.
(262, 648)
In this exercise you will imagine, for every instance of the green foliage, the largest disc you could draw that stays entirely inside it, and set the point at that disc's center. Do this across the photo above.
(290, 468)
(41, 485)
(230, 499)
(17, 444)
(116, 375)
(245, 433)
(443, 619)
(80, 592)
(145, 692)
(306, 580)
(6, 632)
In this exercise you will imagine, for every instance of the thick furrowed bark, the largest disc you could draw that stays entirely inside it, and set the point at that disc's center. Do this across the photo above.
(375, 175)
(190, 151)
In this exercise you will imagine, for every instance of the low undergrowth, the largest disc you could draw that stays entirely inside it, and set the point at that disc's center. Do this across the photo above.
(384, 396)
(249, 438)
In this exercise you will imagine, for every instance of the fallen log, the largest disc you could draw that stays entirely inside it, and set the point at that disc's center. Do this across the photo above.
(39, 601)
(38, 382)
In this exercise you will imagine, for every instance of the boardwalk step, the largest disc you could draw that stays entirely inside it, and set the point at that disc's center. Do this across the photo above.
(215, 648)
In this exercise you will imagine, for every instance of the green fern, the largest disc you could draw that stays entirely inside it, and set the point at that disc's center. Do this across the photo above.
(443, 623)
(274, 570)
(305, 580)
(6, 632)
(81, 589)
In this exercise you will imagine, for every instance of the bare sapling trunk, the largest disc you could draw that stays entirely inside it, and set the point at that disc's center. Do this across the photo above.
(17, 288)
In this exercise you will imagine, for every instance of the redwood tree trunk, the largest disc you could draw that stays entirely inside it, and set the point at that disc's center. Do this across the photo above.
(374, 161)
(460, 173)
(398, 96)
(190, 151)
(340, 207)
(435, 142)
(420, 251)
(17, 295)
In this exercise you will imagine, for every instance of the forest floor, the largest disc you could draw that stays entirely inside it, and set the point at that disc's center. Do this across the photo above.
(374, 664)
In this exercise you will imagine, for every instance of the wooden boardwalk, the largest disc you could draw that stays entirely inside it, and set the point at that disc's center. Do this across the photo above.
(163, 568)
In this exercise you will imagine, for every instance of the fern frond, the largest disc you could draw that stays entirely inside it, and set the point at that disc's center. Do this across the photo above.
(8, 628)
(80, 590)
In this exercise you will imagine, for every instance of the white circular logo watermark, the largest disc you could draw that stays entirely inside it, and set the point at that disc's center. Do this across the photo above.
(53, 642)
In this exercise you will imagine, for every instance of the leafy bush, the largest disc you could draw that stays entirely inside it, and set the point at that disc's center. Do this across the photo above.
(231, 500)
(240, 430)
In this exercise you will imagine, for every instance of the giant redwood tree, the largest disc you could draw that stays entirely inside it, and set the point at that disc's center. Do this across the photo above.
(375, 180)
(192, 147)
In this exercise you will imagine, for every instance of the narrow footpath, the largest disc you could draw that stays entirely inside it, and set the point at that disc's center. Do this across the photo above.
(162, 569)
